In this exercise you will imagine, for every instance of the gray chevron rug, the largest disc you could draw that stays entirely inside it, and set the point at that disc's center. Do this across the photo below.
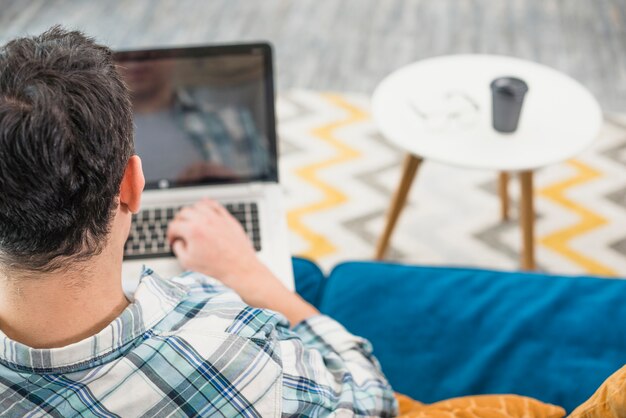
(339, 175)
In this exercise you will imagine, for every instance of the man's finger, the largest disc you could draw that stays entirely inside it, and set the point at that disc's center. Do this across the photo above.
(186, 213)
(179, 247)
(208, 207)
(221, 209)
(218, 208)
(213, 204)
(178, 229)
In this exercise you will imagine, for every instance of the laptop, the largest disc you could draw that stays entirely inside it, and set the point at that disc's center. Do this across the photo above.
(205, 126)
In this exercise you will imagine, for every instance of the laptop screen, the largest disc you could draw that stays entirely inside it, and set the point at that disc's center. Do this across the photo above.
(202, 115)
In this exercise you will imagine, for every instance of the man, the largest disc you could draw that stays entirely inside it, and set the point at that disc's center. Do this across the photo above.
(71, 342)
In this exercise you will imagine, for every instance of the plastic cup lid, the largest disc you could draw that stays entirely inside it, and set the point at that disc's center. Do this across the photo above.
(510, 86)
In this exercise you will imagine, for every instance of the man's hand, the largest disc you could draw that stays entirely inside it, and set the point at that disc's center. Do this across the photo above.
(206, 238)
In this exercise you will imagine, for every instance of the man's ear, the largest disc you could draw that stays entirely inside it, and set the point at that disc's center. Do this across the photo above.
(132, 185)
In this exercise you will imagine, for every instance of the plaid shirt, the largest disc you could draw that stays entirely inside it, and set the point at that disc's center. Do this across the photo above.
(190, 347)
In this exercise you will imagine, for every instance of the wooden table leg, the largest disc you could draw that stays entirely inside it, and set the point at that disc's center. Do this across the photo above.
(504, 195)
(527, 220)
(411, 164)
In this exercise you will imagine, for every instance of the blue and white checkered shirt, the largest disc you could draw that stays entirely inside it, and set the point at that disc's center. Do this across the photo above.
(190, 347)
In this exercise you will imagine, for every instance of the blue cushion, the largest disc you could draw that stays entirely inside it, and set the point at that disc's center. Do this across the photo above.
(446, 332)
(309, 280)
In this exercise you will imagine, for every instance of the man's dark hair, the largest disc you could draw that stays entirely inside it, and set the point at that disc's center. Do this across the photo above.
(65, 139)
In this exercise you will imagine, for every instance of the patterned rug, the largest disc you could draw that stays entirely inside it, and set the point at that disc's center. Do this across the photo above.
(339, 175)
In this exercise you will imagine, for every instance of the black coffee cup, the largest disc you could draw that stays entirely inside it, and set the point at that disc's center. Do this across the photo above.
(508, 97)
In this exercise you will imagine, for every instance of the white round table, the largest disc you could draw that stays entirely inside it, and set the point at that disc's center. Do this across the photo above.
(440, 109)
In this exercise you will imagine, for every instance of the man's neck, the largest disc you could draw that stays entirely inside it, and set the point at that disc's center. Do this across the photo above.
(57, 309)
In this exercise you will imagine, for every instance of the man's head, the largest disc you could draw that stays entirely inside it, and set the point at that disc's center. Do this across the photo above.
(65, 143)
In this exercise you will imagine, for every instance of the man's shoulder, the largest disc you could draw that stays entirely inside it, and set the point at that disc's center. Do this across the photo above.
(210, 307)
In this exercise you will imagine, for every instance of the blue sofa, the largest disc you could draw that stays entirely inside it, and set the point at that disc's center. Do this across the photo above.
(446, 332)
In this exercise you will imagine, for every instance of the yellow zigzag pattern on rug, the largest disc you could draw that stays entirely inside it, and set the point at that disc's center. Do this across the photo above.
(559, 241)
(319, 245)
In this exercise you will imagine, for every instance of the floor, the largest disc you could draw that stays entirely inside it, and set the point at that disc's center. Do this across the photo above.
(350, 45)
(338, 173)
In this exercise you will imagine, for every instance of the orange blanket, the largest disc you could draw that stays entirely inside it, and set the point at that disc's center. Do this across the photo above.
(484, 406)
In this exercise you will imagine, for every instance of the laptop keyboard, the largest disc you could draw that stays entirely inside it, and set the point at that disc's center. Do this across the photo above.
(147, 238)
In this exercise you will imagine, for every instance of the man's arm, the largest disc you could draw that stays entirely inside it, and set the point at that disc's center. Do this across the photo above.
(207, 239)
(328, 370)
(325, 368)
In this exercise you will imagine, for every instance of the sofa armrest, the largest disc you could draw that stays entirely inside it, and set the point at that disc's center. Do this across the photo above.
(309, 280)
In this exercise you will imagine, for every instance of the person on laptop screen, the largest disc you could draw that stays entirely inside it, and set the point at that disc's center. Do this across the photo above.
(194, 121)
(228, 339)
